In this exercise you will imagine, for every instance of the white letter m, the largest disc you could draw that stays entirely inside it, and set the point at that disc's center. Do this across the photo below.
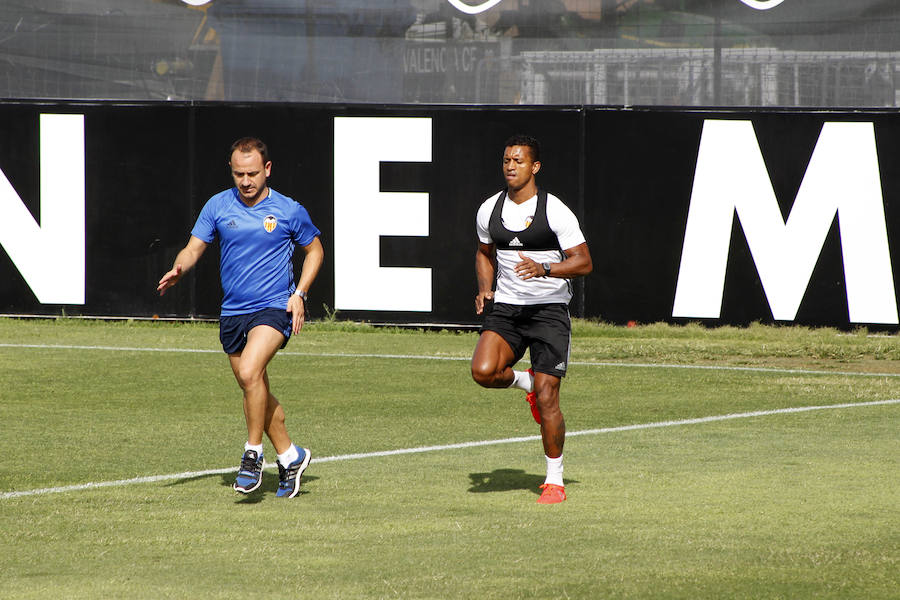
(842, 179)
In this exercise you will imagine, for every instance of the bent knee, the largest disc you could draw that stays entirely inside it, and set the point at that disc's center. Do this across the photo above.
(486, 376)
(248, 378)
(481, 376)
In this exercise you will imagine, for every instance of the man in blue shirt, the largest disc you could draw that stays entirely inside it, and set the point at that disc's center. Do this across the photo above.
(257, 229)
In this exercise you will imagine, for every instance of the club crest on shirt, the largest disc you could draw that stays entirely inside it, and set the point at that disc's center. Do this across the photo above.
(269, 223)
(528, 221)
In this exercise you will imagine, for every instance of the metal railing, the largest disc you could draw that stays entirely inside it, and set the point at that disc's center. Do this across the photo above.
(692, 77)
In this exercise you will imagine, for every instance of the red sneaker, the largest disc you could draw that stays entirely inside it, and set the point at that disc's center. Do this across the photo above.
(531, 398)
(552, 494)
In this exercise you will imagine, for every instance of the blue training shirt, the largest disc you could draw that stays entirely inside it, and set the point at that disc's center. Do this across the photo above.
(256, 247)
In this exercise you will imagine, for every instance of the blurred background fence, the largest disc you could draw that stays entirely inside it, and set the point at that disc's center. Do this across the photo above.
(795, 53)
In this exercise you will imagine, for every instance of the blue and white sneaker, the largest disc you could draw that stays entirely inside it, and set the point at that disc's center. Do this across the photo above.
(289, 477)
(250, 472)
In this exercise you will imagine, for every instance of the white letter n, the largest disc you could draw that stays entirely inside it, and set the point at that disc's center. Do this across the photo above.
(843, 179)
(50, 256)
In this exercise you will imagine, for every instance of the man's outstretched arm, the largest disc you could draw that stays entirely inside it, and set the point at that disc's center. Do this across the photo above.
(184, 262)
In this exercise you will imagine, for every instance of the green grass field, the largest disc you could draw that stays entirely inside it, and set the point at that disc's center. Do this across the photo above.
(767, 503)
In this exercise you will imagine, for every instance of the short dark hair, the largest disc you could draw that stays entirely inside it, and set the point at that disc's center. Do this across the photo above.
(249, 144)
(525, 140)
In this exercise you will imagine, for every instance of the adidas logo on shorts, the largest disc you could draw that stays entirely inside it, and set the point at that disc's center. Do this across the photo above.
(561, 366)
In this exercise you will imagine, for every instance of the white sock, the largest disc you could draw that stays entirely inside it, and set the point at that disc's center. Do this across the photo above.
(523, 381)
(554, 470)
(289, 456)
(258, 449)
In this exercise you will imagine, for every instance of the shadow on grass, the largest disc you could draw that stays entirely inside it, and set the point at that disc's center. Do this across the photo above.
(267, 488)
(505, 480)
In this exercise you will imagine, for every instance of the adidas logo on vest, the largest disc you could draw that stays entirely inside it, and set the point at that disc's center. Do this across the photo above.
(515, 242)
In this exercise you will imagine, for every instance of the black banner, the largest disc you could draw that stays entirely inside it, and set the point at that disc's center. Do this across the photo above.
(721, 217)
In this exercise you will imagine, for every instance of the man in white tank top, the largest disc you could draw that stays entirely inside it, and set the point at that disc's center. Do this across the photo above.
(530, 245)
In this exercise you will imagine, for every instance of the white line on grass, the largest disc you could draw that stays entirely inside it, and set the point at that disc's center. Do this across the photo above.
(461, 358)
(440, 448)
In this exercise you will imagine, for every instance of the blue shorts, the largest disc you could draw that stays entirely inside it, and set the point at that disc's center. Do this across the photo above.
(233, 330)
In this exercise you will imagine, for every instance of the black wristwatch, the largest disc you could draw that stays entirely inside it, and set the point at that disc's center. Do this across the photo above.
(546, 269)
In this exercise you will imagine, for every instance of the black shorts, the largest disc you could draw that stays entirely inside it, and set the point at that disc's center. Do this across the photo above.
(233, 330)
(543, 329)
